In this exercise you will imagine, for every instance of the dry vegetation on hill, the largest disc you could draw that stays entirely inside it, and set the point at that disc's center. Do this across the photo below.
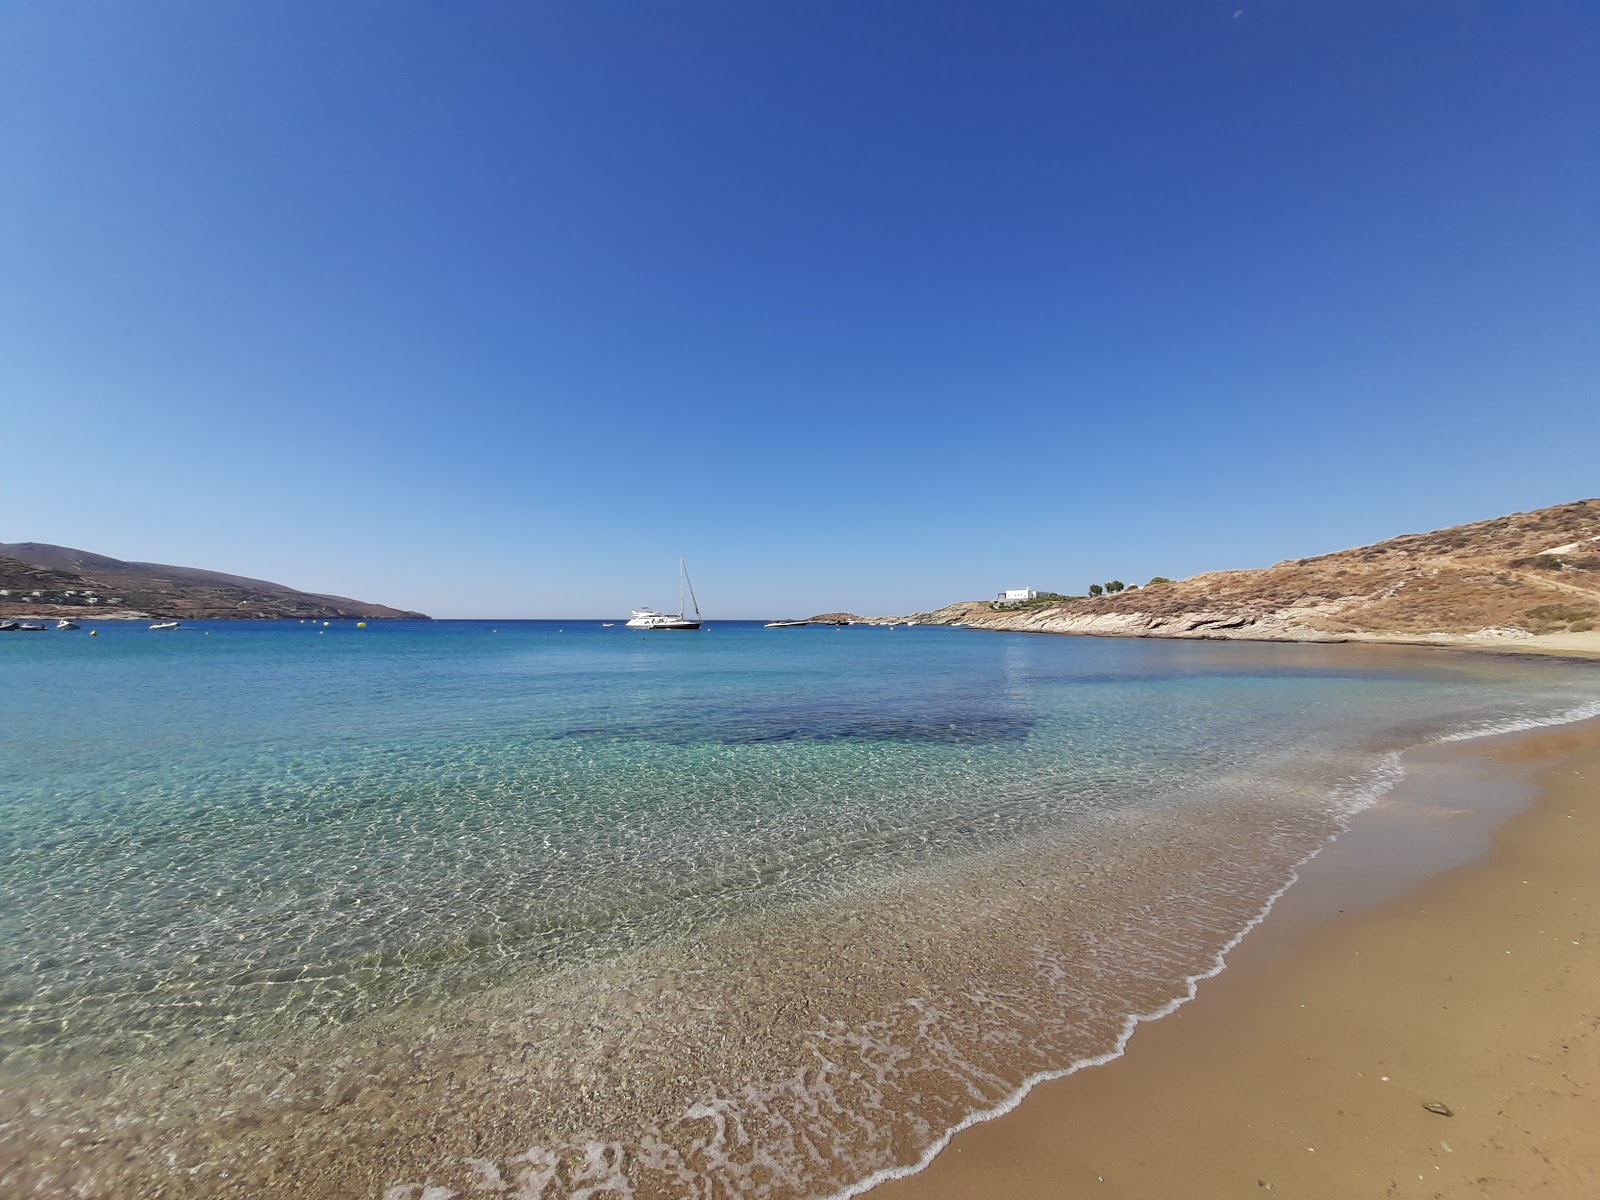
(38, 579)
(1511, 578)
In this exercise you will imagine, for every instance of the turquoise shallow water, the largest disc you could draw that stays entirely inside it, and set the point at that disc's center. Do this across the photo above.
(531, 883)
(244, 825)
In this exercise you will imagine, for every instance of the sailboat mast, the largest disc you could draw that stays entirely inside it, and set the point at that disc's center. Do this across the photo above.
(683, 573)
(684, 570)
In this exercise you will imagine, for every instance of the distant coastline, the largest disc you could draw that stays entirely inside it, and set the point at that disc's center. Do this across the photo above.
(1528, 582)
(41, 580)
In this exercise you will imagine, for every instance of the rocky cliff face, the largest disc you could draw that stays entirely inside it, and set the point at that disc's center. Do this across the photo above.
(57, 581)
(1510, 579)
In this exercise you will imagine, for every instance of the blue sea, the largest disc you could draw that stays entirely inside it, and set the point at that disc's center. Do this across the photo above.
(486, 906)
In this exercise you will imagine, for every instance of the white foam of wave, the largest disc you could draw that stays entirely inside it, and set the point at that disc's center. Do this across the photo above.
(1579, 712)
(1352, 797)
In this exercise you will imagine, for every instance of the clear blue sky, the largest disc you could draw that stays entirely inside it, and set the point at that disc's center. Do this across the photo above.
(495, 309)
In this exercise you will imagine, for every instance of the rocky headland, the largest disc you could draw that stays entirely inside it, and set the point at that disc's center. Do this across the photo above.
(38, 579)
(1525, 581)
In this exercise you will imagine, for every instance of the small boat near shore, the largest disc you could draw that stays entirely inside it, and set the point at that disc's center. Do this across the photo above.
(786, 624)
(66, 624)
(649, 618)
(21, 627)
(166, 625)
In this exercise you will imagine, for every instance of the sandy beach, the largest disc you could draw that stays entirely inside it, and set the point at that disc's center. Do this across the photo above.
(1442, 952)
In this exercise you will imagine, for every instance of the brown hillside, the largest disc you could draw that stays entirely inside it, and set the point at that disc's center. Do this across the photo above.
(1525, 574)
(58, 581)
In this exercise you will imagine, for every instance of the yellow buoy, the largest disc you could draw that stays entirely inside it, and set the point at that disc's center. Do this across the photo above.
(361, 624)
(94, 633)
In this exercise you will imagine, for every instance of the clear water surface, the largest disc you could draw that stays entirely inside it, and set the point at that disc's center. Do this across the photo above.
(242, 827)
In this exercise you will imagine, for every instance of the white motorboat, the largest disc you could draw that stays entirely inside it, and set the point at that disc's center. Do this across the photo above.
(649, 618)
(66, 624)
(786, 624)
(166, 625)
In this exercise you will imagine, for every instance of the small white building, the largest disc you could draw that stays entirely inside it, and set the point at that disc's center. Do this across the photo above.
(1019, 594)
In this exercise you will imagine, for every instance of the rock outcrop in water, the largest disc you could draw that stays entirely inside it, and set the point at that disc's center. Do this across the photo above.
(1512, 580)
(58, 581)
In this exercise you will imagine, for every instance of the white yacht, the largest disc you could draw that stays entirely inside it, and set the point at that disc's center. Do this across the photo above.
(66, 624)
(166, 625)
(649, 618)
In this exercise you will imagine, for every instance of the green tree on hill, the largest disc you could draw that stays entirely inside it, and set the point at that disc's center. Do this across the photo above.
(1116, 585)
(1158, 579)
(1095, 589)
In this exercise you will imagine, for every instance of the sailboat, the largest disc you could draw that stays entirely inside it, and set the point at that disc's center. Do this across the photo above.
(649, 618)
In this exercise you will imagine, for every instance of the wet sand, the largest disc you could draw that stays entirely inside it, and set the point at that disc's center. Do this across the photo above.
(1433, 955)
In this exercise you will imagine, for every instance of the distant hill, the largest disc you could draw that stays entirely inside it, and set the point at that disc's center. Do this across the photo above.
(1514, 579)
(58, 580)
